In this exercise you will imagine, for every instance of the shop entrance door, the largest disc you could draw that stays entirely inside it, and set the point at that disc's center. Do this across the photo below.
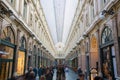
(108, 62)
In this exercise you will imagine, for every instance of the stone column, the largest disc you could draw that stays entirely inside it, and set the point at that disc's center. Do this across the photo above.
(27, 52)
(116, 44)
(36, 56)
(32, 56)
(1, 21)
(16, 53)
(99, 61)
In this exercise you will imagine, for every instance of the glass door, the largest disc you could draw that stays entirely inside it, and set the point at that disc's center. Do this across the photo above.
(107, 63)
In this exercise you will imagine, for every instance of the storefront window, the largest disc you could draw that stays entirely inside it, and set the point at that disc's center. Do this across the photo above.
(6, 53)
(21, 57)
(6, 62)
(106, 55)
(20, 64)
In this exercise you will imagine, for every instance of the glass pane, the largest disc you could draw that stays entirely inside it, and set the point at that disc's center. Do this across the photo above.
(20, 64)
(106, 35)
(6, 56)
(107, 66)
(8, 35)
(25, 10)
(6, 52)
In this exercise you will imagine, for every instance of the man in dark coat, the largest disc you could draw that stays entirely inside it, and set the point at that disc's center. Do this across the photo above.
(35, 71)
(49, 75)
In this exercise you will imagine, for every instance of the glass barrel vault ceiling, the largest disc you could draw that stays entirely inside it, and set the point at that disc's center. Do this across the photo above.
(59, 15)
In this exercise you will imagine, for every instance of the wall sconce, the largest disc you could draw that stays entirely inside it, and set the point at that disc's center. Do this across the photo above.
(33, 36)
(82, 38)
(109, 12)
(39, 43)
(4, 12)
(85, 35)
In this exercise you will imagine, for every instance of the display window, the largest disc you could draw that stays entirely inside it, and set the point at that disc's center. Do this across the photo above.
(108, 60)
(7, 51)
(21, 63)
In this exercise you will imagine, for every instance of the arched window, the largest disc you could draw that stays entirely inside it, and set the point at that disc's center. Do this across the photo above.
(105, 1)
(34, 49)
(106, 35)
(8, 35)
(25, 9)
(34, 55)
(23, 42)
(11, 2)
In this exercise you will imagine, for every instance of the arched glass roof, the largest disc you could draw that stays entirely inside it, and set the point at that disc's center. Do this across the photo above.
(59, 15)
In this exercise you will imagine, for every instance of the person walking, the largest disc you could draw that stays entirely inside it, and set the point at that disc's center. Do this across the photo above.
(31, 76)
(35, 71)
(49, 75)
(28, 73)
(40, 72)
(79, 71)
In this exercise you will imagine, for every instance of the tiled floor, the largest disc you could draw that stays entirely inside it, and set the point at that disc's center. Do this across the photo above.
(70, 75)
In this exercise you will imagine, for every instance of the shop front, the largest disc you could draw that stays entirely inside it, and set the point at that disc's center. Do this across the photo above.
(108, 60)
(7, 53)
(21, 58)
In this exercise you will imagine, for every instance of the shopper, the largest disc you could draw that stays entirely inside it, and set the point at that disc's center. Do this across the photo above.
(28, 73)
(49, 75)
(31, 76)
